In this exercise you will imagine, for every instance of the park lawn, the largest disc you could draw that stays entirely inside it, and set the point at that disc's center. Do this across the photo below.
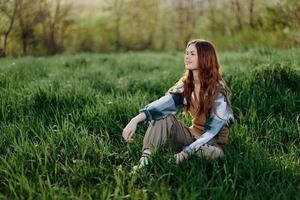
(61, 120)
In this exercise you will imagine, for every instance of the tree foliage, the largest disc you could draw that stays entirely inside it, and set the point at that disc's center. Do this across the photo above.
(48, 27)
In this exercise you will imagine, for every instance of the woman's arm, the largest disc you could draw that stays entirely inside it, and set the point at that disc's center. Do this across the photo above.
(223, 116)
(170, 103)
(129, 130)
(161, 108)
(139, 118)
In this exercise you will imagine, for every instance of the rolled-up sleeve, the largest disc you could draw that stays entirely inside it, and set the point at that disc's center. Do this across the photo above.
(161, 108)
(171, 103)
(221, 117)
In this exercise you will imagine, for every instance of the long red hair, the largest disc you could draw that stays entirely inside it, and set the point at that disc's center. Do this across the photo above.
(209, 76)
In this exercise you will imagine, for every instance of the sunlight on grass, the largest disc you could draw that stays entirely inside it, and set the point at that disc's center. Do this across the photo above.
(62, 118)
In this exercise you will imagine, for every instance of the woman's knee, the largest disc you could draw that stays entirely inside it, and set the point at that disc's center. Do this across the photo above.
(164, 123)
(159, 131)
(162, 120)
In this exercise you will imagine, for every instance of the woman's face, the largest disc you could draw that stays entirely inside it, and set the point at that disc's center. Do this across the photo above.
(191, 58)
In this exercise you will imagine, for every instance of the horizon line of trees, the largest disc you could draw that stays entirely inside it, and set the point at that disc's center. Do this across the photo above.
(45, 27)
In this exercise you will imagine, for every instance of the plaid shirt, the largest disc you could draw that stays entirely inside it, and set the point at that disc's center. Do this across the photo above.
(173, 101)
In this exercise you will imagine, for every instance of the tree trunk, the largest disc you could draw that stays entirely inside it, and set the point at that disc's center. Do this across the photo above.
(11, 23)
(150, 38)
(212, 16)
(237, 11)
(23, 35)
(117, 34)
(52, 46)
(251, 8)
(118, 12)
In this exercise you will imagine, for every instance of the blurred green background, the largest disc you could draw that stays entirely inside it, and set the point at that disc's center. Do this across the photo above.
(44, 27)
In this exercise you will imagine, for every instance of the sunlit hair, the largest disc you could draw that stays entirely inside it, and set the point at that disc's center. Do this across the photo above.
(209, 76)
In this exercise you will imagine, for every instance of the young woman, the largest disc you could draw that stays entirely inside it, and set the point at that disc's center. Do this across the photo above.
(204, 94)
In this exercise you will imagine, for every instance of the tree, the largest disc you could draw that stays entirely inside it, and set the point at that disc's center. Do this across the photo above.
(236, 8)
(117, 10)
(251, 14)
(187, 14)
(27, 19)
(141, 24)
(134, 23)
(8, 11)
(55, 18)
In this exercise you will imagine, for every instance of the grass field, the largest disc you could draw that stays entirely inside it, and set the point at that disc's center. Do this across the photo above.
(61, 120)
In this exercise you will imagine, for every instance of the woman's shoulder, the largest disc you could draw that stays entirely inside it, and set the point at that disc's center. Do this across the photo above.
(223, 91)
(222, 86)
(221, 83)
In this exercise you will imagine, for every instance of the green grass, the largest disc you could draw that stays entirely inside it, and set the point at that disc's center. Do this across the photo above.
(61, 120)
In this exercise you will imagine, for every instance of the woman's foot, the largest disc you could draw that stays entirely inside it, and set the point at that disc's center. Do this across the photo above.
(144, 160)
(210, 152)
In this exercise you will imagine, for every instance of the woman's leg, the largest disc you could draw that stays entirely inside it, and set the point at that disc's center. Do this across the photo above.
(167, 131)
(164, 131)
(214, 151)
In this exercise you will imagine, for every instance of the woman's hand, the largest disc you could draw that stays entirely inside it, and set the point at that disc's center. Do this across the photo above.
(181, 157)
(129, 130)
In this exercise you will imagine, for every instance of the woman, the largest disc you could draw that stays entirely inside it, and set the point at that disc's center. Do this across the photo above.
(204, 94)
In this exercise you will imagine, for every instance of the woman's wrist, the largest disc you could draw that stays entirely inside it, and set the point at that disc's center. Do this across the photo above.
(188, 150)
(140, 117)
(134, 120)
